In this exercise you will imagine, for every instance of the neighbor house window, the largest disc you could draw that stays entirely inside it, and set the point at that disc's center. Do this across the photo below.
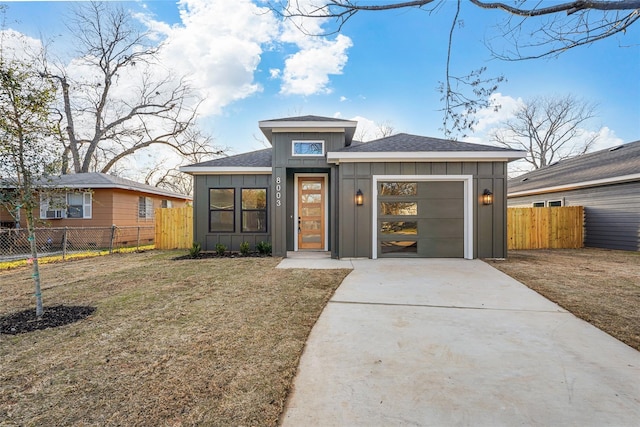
(145, 207)
(222, 210)
(254, 210)
(554, 203)
(166, 204)
(66, 205)
(538, 204)
(307, 148)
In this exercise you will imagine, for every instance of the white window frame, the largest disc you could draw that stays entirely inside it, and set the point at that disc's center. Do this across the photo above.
(148, 208)
(555, 200)
(533, 204)
(61, 212)
(293, 148)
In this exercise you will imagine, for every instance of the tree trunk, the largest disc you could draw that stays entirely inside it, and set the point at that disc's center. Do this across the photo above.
(34, 257)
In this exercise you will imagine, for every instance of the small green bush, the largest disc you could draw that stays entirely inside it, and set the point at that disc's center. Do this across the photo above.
(220, 249)
(195, 249)
(244, 248)
(264, 248)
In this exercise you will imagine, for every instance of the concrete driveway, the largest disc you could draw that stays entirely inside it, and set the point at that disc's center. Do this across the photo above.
(443, 342)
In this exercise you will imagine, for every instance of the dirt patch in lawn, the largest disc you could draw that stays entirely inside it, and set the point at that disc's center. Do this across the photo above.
(598, 285)
(193, 342)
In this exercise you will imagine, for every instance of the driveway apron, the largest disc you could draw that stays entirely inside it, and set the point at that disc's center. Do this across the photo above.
(444, 342)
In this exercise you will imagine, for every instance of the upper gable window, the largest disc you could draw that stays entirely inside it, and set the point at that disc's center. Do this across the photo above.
(307, 148)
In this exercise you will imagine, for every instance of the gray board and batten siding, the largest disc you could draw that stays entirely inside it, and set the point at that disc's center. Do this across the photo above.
(202, 220)
(606, 183)
(314, 162)
(488, 223)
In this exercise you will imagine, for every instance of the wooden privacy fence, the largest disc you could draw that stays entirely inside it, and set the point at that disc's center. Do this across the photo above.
(545, 228)
(174, 228)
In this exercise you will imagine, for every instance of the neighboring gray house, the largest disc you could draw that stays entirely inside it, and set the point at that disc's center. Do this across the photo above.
(318, 190)
(606, 183)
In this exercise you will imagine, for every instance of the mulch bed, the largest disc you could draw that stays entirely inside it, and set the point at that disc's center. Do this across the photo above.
(59, 315)
(207, 255)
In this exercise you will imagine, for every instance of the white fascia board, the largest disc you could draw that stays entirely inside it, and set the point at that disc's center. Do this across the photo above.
(294, 124)
(577, 185)
(423, 156)
(226, 170)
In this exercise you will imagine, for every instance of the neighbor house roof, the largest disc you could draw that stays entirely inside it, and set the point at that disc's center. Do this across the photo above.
(95, 180)
(406, 147)
(253, 162)
(612, 165)
(309, 124)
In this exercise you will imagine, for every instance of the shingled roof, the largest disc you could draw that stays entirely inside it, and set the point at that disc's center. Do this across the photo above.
(256, 161)
(93, 180)
(620, 163)
(404, 142)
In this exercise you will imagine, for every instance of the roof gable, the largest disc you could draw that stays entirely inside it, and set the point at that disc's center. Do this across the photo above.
(604, 166)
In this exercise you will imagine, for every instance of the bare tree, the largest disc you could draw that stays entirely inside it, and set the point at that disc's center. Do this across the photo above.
(531, 28)
(116, 98)
(558, 27)
(549, 129)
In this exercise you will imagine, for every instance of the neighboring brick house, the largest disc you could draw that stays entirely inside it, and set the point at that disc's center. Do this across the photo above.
(318, 190)
(605, 182)
(98, 200)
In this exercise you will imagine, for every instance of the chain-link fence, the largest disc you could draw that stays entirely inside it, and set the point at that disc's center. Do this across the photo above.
(14, 243)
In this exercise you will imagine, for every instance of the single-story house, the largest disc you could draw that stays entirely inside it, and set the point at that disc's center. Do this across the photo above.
(606, 183)
(97, 200)
(316, 189)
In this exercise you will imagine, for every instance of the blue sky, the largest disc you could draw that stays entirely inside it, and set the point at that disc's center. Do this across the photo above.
(382, 68)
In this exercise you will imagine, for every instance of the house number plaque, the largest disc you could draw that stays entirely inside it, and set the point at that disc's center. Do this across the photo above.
(278, 191)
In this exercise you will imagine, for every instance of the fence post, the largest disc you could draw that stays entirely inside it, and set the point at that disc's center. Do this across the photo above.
(113, 235)
(64, 243)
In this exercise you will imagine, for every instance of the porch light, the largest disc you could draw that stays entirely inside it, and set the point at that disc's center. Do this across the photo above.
(359, 198)
(487, 197)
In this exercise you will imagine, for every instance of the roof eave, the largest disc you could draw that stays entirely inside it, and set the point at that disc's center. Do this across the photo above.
(576, 185)
(424, 156)
(106, 186)
(226, 170)
(268, 127)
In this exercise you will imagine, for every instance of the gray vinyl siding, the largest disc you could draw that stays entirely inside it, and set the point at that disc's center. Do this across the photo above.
(232, 240)
(354, 222)
(612, 213)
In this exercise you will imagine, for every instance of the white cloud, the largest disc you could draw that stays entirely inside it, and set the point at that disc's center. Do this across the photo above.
(343, 99)
(274, 73)
(307, 71)
(219, 46)
(488, 117)
(16, 45)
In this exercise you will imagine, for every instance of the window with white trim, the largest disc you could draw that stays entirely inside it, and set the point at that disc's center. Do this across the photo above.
(538, 204)
(66, 205)
(145, 207)
(554, 203)
(307, 148)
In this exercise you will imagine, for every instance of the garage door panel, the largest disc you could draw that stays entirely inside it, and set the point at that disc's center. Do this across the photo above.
(440, 190)
(441, 228)
(441, 248)
(441, 208)
(423, 219)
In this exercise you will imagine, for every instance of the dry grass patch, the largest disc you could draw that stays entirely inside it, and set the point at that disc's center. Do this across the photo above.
(598, 285)
(191, 342)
